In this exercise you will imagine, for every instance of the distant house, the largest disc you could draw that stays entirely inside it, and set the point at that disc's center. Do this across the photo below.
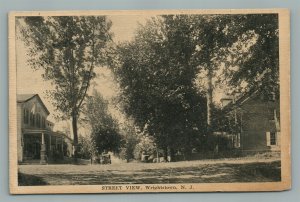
(256, 120)
(36, 139)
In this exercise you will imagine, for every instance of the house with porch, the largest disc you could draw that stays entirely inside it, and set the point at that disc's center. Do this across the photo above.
(36, 140)
(254, 118)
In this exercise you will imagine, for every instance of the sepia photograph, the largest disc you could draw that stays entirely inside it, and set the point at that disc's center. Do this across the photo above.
(149, 101)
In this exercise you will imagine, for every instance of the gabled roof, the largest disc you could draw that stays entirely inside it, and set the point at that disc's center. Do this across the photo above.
(240, 100)
(248, 94)
(50, 122)
(22, 98)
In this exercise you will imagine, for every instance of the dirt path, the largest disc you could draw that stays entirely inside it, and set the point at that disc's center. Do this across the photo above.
(226, 170)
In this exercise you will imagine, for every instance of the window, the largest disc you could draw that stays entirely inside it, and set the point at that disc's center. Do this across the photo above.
(38, 120)
(32, 119)
(272, 114)
(26, 116)
(43, 122)
(238, 140)
(273, 138)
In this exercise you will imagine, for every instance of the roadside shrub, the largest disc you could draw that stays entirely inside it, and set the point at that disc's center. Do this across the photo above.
(87, 148)
(146, 146)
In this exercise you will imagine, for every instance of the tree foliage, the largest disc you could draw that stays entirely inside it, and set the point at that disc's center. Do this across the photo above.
(130, 139)
(145, 146)
(105, 131)
(156, 78)
(87, 147)
(210, 36)
(258, 67)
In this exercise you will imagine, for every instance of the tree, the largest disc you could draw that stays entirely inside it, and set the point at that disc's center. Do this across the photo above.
(238, 49)
(212, 35)
(258, 67)
(157, 82)
(241, 53)
(67, 48)
(145, 146)
(87, 147)
(130, 138)
(105, 132)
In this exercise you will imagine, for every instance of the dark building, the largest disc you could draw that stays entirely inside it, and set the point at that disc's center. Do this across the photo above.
(254, 119)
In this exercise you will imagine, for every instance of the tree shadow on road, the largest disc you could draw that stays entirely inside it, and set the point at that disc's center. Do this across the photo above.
(30, 180)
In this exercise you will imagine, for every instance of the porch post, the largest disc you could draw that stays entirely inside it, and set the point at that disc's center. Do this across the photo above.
(62, 145)
(43, 151)
(50, 147)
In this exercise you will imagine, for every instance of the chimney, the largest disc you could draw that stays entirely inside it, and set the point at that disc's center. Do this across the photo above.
(226, 100)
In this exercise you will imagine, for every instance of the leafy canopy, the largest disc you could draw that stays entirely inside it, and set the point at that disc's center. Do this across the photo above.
(67, 48)
(157, 82)
(105, 131)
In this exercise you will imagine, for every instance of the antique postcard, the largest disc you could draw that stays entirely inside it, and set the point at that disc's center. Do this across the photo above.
(149, 101)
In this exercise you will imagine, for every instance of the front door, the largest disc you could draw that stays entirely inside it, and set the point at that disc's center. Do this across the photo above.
(32, 146)
(37, 150)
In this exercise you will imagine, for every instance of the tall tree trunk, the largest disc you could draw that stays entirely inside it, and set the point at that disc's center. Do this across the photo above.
(209, 99)
(172, 154)
(75, 134)
(187, 152)
(166, 154)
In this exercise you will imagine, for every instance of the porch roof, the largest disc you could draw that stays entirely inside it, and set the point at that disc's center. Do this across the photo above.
(49, 132)
(35, 131)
